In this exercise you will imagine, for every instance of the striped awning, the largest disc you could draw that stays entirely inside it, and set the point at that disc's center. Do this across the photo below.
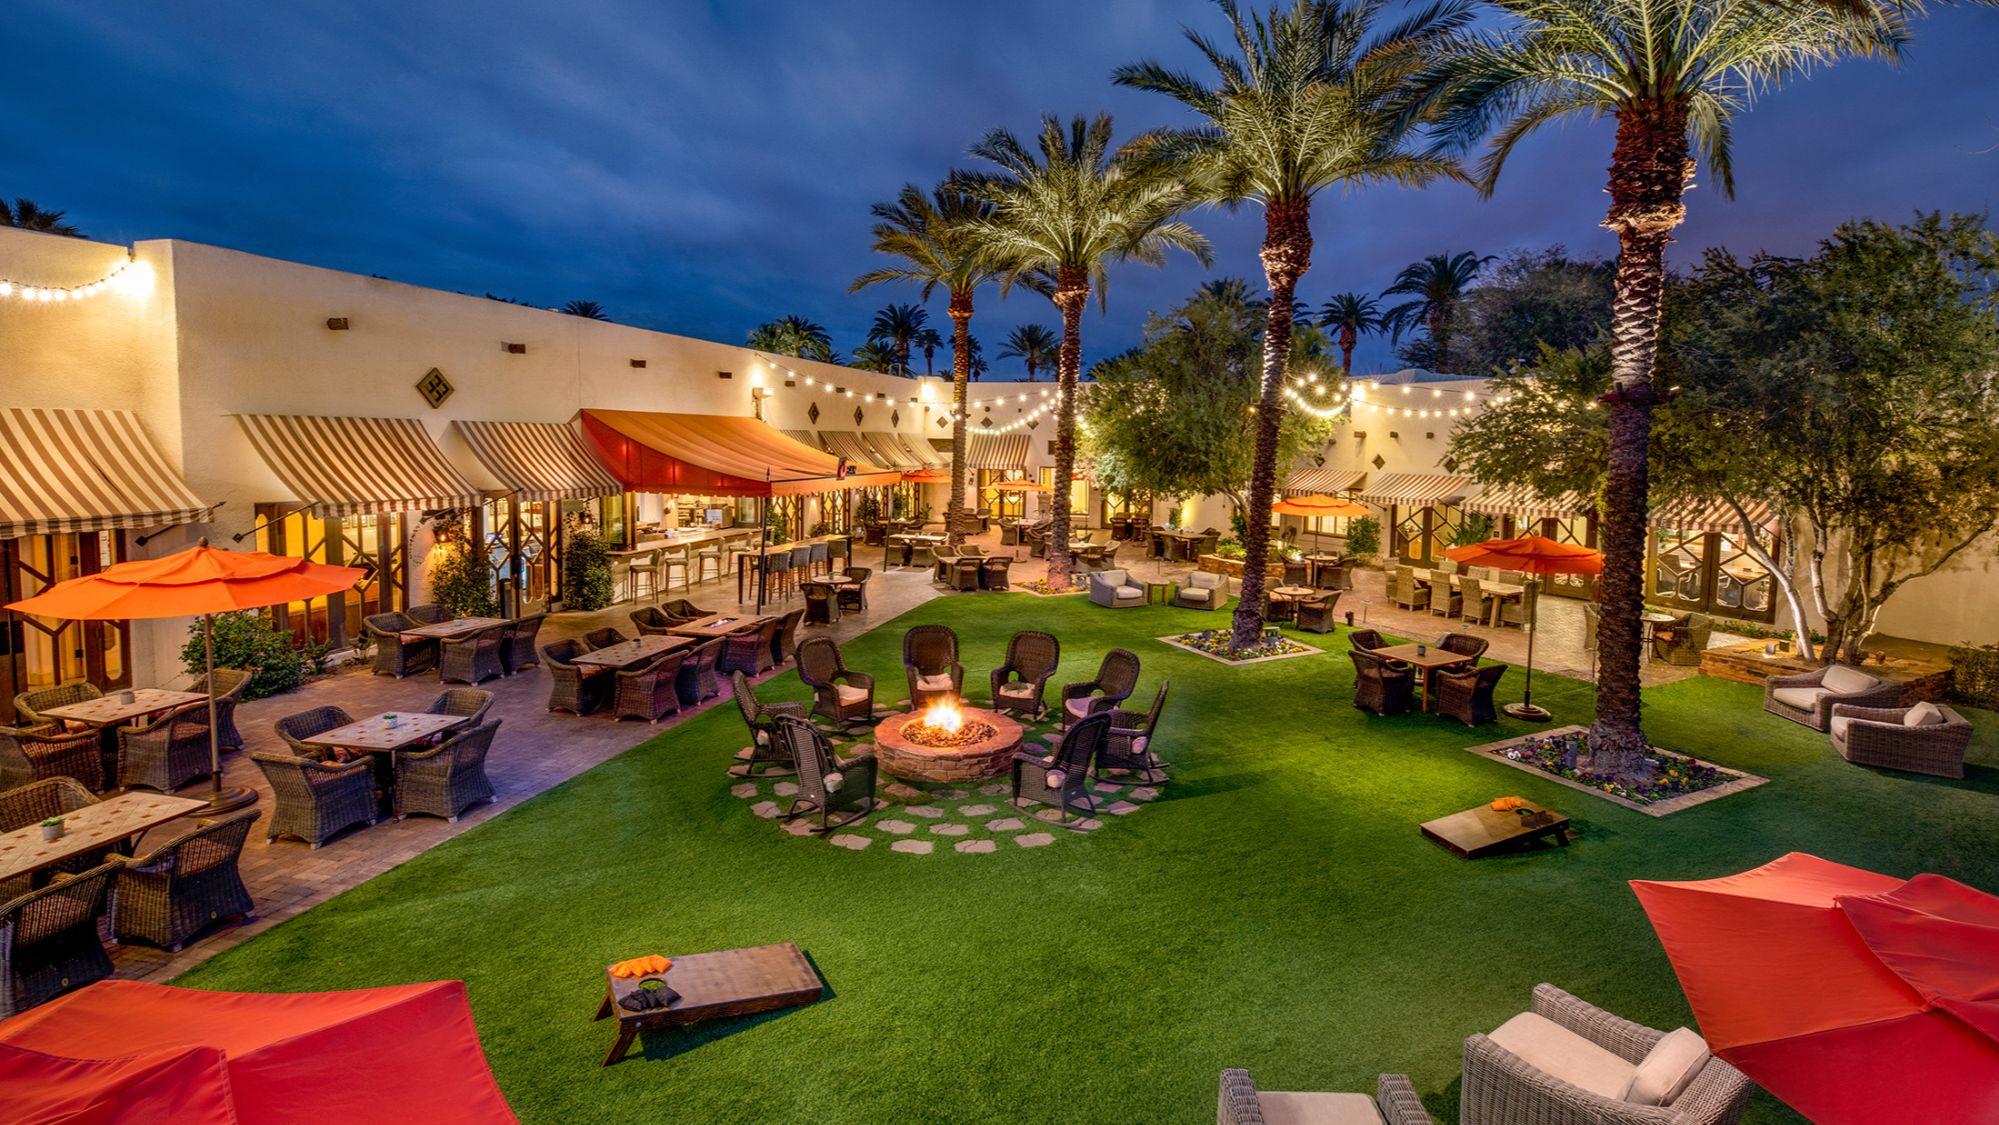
(1521, 500)
(803, 437)
(352, 466)
(86, 470)
(848, 444)
(1330, 482)
(1712, 515)
(1416, 490)
(996, 451)
(542, 461)
(892, 451)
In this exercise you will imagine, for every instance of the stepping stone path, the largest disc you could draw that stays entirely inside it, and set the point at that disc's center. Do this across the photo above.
(915, 817)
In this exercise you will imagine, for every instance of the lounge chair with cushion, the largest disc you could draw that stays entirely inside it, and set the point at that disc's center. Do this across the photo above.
(1116, 677)
(445, 780)
(1809, 697)
(765, 747)
(572, 687)
(1129, 744)
(827, 785)
(185, 885)
(1380, 688)
(395, 654)
(1113, 588)
(1927, 738)
(1395, 1102)
(1569, 1061)
(1021, 682)
(839, 693)
(1061, 779)
(29, 756)
(1203, 590)
(930, 663)
(49, 943)
(1467, 695)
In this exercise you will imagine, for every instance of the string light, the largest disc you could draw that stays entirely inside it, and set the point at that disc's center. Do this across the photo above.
(50, 294)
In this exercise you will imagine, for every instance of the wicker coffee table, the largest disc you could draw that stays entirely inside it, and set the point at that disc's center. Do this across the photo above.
(712, 986)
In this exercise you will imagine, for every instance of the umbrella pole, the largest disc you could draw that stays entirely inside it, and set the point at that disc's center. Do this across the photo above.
(1525, 709)
(219, 800)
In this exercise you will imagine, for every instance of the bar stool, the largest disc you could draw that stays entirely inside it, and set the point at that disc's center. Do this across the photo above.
(820, 558)
(649, 570)
(801, 564)
(838, 552)
(670, 560)
(713, 552)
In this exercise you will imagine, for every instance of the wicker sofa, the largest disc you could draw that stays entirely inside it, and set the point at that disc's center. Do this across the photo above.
(1927, 738)
(1394, 1103)
(1113, 589)
(1809, 697)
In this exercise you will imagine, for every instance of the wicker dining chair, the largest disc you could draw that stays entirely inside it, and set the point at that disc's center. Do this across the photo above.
(185, 885)
(395, 654)
(603, 638)
(786, 638)
(765, 747)
(1318, 614)
(827, 785)
(651, 621)
(996, 571)
(1061, 779)
(517, 644)
(650, 692)
(168, 752)
(1366, 639)
(1129, 746)
(680, 609)
(854, 591)
(49, 941)
(1405, 592)
(473, 658)
(429, 613)
(751, 652)
(27, 756)
(1467, 696)
(227, 685)
(1116, 677)
(930, 664)
(28, 705)
(838, 692)
(295, 728)
(1464, 644)
(1446, 600)
(1379, 688)
(965, 573)
(469, 704)
(570, 686)
(315, 799)
(29, 805)
(447, 779)
(822, 604)
(1020, 683)
(699, 674)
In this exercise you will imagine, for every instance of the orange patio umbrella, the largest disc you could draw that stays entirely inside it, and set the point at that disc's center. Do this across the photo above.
(927, 476)
(1532, 556)
(1020, 484)
(201, 581)
(1318, 506)
(1853, 996)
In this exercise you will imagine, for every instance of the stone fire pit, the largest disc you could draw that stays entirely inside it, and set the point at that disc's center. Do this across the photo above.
(982, 748)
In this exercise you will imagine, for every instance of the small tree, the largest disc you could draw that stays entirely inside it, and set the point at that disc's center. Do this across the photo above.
(587, 582)
(460, 582)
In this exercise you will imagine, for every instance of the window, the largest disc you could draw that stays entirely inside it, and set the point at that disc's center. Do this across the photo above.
(374, 542)
(38, 652)
(1711, 572)
(1000, 503)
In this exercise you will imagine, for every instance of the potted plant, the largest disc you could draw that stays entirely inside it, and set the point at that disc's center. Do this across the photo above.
(52, 829)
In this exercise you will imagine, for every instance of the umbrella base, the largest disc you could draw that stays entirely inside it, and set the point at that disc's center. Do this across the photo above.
(1527, 712)
(227, 800)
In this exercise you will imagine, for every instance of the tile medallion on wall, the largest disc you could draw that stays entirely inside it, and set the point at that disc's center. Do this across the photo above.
(434, 388)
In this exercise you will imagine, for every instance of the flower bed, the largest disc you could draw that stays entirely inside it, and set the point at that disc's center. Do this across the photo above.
(1215, 645)
(1048, 589)
(1561, 754)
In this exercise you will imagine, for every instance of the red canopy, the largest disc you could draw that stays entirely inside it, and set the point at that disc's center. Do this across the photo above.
(126, 1051)
(1853, 996)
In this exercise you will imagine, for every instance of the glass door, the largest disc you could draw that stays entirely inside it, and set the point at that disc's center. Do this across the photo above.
(38, 652)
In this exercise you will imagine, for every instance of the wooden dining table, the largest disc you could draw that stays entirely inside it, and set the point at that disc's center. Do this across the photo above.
(721, 625)
(1184, 543)
(1425, 658)
(380, 739)
(88, 829)
(115, 709)
(625, 654)
(458, 627)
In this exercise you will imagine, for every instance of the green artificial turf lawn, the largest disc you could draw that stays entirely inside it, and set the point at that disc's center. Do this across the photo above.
(1275, 909)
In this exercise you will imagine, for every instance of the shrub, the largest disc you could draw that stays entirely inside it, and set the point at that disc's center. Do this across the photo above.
(1475, 529)
(1230, 549)
(1364, 536)
(586, 573)
(1975, 675)
(245, 639)
(460, 582)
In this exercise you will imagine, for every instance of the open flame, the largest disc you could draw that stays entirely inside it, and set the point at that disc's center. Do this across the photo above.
(945, 717)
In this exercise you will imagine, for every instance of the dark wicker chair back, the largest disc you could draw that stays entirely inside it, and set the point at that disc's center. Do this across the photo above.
(825, 784)
(604, 638)
(1378, 687)
(930, 649)
(1366, 639)
(315, 799)
(1080, 744)
(472, 659)
(569, 689)
(175, 891)
(54, 947)
(1128, 746)
(697, 679)
(819, 661)
(168, 752)
(469, 704)
(1464, 644)
(680, 609)
(429, 614)
(447, 779)
(517, 648)
(296, 728)
(1032, 654)
(1118, 675)
(998, 575)
(650, 692)
(1142, 722)
(32, 755)
(649, 620)
(854, 591)
(786, 638)
(39, 800)
(1467, 696)
(28, 704)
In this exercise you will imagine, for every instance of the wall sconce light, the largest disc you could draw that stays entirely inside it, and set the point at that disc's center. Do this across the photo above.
(515, 349)
(337, 323)
(1431, 436)
(638, 363)
(725, 374)
(1392, 434)
(1360, 435)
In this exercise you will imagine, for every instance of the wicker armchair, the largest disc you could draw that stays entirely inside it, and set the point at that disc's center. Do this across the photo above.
(176, 890)
(1405, 592)
(28, 705)
(1926, 738)
(1501, 1086)
(448, 779)
(651, 621)
(1129, 744)
(296, 728)
(765, 747)
(1318, 614)
(469, 704)
(1395, 1102)
(570, 687)
(1379, 688)
(1366, 640)
(1116, 677)
(750, 652)
(1021, 682)
(996, 572)
(1203, 590)
(396, 654)
(838, 692)
(1809, 697)
(49, 943)
(651, 692)
(517, 649)
(1682, 640)
(1113, 589)
(1464, 644)
(429, 613)
(27, 756)
(854, 591)
(472, 658)
(1467, 696)
(1061, 779)
(822, 604)
(168, 752)
(930, 664)
(826, 785)
(35, 802)
(316, 799)
(680, 609)
(603, 638)
(786, 640)
(699, 674)
(227, 685)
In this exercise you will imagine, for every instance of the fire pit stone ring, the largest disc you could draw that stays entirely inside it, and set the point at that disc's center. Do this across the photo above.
(984, 747)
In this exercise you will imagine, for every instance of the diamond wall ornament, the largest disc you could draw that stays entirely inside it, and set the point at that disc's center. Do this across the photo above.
(857, 416)
(895, 418)
(1450, 464)
(986, 423)
(812, 413)
(1378, 461)
(943, 422)
(434, 388)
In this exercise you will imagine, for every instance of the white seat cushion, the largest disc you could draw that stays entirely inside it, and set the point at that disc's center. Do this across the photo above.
(1841, 680)
(1924, 714)
(1197, 595)
(1802, 698)
(1130, 594)
(1664, 1073)
(1113, 576)
(1561, 1054)
(1077, 707)
(940, 682)
(1281, 1108)
(1018, 691)
(1837, 729)
(847, 693)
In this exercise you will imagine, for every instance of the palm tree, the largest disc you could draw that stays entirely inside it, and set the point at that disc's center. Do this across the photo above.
(1305, 100)
(874, 356)
(25, 215)
(1673, 74)
(928, 341)
(975, 359)
(1072, 209)
(1234, 292)
(1034, 345)
(588, 310)
(1350, 314)
(793, 335)
(898, 326)
(1438, 284)
(934, 238)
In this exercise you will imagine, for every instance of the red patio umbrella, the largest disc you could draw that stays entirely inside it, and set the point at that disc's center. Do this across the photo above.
(1532, 556)
(1855, 997)
(201, 581)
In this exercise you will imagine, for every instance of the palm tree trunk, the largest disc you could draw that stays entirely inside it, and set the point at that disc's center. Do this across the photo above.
(961, 373)
(1072, 292)
(1287, 254)
(1648, 177)
(1348, 338)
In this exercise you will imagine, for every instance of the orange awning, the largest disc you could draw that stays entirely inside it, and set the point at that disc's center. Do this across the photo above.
(715, 454)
